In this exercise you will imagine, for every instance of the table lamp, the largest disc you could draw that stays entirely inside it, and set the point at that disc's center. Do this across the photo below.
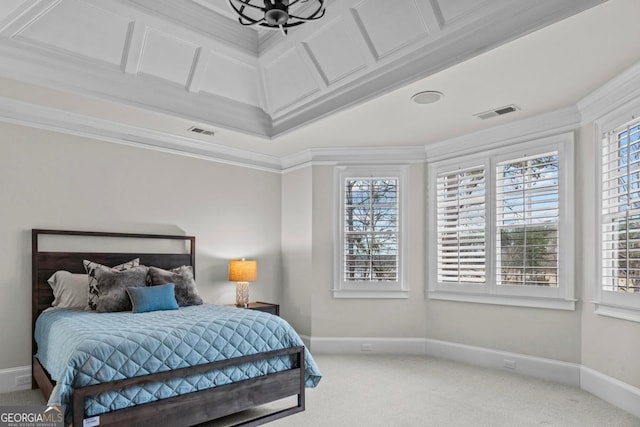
(242, 272)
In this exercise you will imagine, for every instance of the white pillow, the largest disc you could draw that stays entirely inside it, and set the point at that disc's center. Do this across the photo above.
(69, 290)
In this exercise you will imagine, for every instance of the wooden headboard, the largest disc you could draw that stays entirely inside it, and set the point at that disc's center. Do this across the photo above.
(44, 264)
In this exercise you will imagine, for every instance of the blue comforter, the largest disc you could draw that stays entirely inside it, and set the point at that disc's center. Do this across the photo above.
(80, 348)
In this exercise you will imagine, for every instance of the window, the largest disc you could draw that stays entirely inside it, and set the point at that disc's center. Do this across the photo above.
(527, 203)
(461, 227)
(619, 288)
(370, 231)
(500, 225)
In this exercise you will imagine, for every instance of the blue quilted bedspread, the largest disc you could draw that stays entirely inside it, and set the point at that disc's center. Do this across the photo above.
(83, 348)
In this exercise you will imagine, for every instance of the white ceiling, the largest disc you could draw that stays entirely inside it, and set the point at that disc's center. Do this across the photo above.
(157, 67)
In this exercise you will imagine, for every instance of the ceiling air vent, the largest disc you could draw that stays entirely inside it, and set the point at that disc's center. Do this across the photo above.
(202, 131)
(497, 112)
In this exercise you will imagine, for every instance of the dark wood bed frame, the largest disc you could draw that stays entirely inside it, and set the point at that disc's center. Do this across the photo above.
(183, 410)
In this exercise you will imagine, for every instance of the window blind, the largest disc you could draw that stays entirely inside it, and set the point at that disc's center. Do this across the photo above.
(527, 217)
(461, 225)
(620, 232)
(371, 230)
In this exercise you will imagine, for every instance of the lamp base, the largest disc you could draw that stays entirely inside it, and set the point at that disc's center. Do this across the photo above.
(242, 294)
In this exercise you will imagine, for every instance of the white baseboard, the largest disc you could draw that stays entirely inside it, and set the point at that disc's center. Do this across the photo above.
(8, 379)
(306, 340)
(614, 391)
(538, 367)
(367, 345)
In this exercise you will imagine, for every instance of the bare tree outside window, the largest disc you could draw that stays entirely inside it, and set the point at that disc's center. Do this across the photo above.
(371, 229)
(527, 225)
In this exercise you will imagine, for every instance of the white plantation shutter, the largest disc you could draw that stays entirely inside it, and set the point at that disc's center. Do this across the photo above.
(499, 223)
(527, 217)
(620, 232)
(461, 221)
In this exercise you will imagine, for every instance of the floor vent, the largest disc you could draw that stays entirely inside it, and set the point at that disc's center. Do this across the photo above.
(201, 131)
(497, 112)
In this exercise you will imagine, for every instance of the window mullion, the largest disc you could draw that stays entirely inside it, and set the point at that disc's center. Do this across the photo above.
(370, 229)
(491, 226)
(525, 184)
(627, 257)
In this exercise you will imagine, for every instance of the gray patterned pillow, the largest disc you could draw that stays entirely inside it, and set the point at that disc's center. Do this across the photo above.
(182, 277)
(90, 268)
(112, 287)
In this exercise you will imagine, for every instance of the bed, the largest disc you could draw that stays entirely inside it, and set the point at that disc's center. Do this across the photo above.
(266, 367)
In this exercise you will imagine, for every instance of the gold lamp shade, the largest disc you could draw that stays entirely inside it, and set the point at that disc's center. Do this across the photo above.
(242, 272)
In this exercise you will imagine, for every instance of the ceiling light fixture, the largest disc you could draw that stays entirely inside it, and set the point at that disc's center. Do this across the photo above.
(427, 97)
(275, 13)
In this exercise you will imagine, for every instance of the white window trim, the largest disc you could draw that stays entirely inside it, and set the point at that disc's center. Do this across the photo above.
(560, 298)
(609, 303)
(343, 289)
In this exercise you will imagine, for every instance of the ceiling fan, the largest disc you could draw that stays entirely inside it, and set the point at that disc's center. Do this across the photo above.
(275, 13)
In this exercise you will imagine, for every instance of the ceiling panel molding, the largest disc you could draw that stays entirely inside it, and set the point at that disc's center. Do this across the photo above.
(390, 26)
(20, 17)
(190, 14)
(79, 29)
(25, 63)
(233, 79)
(298, 80)
(132, 56)
(168, 57)
(428, 56)
(452, 12)
(334, 52)
(288, 80)
(10, 9)
(198, 70)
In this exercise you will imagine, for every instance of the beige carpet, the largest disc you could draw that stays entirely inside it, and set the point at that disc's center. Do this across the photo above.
(388, 391)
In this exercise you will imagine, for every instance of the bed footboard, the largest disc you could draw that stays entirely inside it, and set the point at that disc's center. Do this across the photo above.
(205, 405)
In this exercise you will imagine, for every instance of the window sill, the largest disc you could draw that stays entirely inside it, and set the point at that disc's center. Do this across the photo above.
(366, 294)
(624, 313)
(516, 301)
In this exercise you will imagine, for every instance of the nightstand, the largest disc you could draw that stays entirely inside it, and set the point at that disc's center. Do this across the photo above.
(262, 306)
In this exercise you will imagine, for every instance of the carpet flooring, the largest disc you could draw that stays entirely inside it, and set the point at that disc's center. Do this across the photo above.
(388, 391)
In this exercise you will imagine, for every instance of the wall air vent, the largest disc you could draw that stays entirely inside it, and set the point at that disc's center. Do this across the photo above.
(497, 112)
(201, 131)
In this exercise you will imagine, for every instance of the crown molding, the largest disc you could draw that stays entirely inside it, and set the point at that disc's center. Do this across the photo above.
(617, 92)
(354, 156)
(36, 116)
(552, 123)
(27, 114)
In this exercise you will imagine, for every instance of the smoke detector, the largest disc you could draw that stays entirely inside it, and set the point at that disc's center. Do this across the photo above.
(497, 112)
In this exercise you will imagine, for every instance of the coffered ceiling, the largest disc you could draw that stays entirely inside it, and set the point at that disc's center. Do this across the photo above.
(162, 65)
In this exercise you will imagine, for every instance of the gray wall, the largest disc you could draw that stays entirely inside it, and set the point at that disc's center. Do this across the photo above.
(604, 344)
(49, 180)
(610, 346)
(286, 223)
(297, 247)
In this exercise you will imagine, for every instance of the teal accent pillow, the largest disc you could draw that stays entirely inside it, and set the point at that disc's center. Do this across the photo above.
(153, 298)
